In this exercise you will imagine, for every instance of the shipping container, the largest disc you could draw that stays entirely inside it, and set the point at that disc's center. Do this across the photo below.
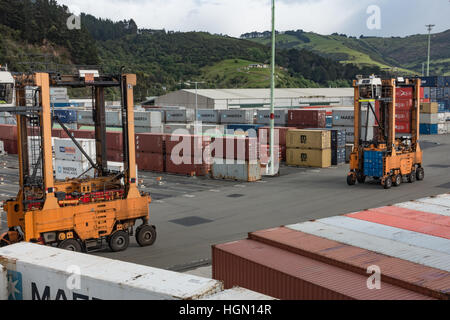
(43, 273)
(350, 133)
(66, 116)
(55, 91)
(404, 104)
(426, 257)
(309, 158)
(182, 115)
(150, 161)
(83, 134)
(192, 167)
(208, 116)
(422, 222)
(421, 279)
(402, 127)
(404, 93)
(114, 141)
(239, 116)
(188, 145)
(433, 81)
(114, 155)
(237, 148)
(427, 129)
(280, 117)
(348, 151)
(279, 136)
(288, 276)
(308, 139)
(431, 107)
(346, 118)
(150, 143)
(429, 118)
(307, 118)
(65, 149)
(264, 153)
(66, 169)
(147, 119)
(8, 132)
(247, 130)
(238, 170)
(338, 156)
(113, 118)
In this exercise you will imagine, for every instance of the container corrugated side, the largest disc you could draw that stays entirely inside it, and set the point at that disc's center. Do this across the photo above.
(238, 294)
(100, 277)
(408, 275)
(401, 235)
(288, 276)
(430, 258)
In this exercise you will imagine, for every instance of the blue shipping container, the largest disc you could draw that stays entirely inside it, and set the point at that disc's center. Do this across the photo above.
(373, 163)
(428, 128)
(66, 116)
(435, 81)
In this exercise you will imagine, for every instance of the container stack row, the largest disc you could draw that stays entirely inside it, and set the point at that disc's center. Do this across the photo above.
(403, 248)
(435, 117)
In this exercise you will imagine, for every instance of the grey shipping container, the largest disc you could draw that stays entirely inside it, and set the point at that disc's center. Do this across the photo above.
(113, 118)
(84, 117)
(346, 117)
(281, 117)
(350, 133)
(147, 119)
(248, 171)
(182, 116)
(429, 118)
(241, 116)
(208, 116)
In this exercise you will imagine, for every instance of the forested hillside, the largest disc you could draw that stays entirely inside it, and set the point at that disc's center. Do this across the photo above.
(35, 37)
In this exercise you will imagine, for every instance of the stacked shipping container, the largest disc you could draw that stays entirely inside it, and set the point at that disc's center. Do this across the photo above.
(330, 258)
(309, 148)
(436, 92)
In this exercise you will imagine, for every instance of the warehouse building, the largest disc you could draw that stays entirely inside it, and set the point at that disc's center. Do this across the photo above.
(223, 99)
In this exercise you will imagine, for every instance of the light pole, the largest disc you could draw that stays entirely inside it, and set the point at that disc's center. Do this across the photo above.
(429, 27)
(271, 170)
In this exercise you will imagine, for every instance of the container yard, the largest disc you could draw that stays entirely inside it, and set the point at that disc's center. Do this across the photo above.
(227, 175)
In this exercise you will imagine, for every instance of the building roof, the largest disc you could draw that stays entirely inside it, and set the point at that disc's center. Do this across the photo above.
(223, 94)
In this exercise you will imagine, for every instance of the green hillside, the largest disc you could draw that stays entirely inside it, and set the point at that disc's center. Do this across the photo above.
(406, 54)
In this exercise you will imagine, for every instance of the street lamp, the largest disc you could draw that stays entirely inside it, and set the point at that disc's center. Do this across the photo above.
(429, 27)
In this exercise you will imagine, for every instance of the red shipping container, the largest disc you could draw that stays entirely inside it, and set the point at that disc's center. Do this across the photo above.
(114, 140)
(404, 104)
(402, 127)
(422, 92)
(307, 118)
(150, 142)
(10, 146)
(197, 144)
(288, 276)
(404, 93)
(8, 132)
(237, 148)
(280, 134)
(403, 115)
(114, 155)
(191, 169)
(83, 134)
(419, 278)
(264, 153)
(150, 161)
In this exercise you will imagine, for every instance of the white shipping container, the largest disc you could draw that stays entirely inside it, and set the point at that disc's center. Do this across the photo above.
(237, 170)
(281, 117)
(429, 118)
(66, 169)
(147, 119)
(39, 272)
(346, 117)
(238, 116)
(183, 116)
(85, 117)
(412, 238)
(119, 167)
(442, 128)
(58, 91)
(427, 257)
(65, 149)
(113, 118)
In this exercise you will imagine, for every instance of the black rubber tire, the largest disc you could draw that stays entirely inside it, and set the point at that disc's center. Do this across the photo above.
(145, 235)
(388, 183)
(119, 241)
(420, 174)
(412, 177)
(70, 245)
(361, 178)
(351, 180)
(397, 181)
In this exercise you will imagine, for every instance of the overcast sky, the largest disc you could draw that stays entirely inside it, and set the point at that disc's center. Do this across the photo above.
(234, 17)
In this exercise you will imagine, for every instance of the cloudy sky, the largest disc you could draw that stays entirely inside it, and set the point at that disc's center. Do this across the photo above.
(234, 17)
